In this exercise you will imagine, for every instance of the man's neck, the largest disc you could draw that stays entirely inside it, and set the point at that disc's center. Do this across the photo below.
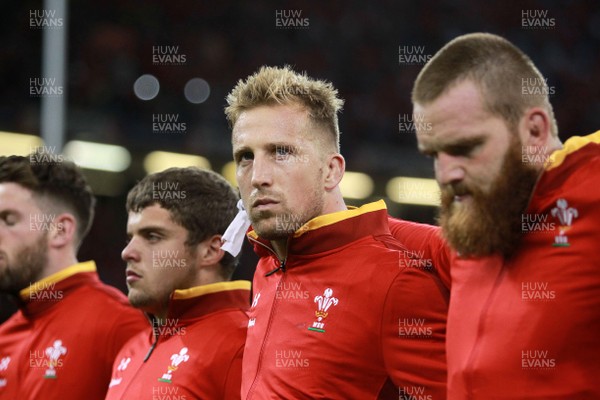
(205, 276)
(336, 204)
(553, 145)
(280, 247)
(57, 264)
(158, 312)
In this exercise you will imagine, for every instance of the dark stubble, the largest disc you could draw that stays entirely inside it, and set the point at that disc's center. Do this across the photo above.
(26, 268)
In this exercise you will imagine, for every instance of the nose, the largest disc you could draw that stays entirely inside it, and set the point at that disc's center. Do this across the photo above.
(262, 173)
(448, 169)
(130, 252)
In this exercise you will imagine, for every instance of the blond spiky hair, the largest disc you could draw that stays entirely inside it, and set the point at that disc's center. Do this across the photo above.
(282, 85)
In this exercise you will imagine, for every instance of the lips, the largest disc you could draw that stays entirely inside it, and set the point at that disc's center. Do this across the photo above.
(456, 193)
(264, 202)
(131, 276)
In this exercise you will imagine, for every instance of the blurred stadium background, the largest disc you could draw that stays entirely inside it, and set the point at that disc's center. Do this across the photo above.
(132, 64)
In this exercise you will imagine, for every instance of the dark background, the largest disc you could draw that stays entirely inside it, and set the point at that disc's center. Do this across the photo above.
(354, 44)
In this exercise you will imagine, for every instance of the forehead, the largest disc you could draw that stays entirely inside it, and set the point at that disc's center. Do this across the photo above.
(281, 120)
(13, 195)
(153, 215)
(459, 113)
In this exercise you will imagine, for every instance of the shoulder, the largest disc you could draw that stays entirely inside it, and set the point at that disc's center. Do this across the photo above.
(104, 296)
(402, 229)
(105, 308)
(225, 327)
(137, 345)
(576, 163)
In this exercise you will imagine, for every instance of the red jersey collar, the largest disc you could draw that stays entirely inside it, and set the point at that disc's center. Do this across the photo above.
(45, 293)
(575, 151)
(331, 231)
(202, 300)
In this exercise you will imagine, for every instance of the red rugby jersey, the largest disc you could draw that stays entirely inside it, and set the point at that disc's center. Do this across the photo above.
(346, 317)
(195, 353)
(528, 327)
(62, 341)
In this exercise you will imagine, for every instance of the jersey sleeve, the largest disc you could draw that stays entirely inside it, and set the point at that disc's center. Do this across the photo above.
(414, 332)
(233, 382)
(129, 323)
(426, 242)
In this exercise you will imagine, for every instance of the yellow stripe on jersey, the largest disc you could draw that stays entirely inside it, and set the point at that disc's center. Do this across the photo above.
(86, 266)
(571, 145)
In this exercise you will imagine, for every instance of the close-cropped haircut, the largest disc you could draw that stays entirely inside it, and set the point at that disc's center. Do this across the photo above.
(282, 85)
(201, 201)
(56, 184)
(507, 78)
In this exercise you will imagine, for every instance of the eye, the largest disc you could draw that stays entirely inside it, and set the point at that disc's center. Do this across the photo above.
(429, 154)
(460, 151)
(244, 156)
(283, 150)
(9, 218)
(153, 237)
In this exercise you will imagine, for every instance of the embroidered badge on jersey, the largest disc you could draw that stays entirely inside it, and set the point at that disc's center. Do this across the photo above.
(122, 367)
(176, 359)
(565, 215)
(324, 303)
(3, 367)
(252, 321)
(54, 354)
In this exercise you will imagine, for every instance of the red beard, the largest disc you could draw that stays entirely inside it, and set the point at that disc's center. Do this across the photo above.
(492, 222)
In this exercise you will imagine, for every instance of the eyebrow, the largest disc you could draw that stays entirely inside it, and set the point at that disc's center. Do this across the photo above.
(272, 147)
(453, 144)
(148, 229)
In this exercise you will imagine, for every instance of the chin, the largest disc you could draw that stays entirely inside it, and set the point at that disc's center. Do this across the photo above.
(272, 234)
(136, 299)
(269, 231)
